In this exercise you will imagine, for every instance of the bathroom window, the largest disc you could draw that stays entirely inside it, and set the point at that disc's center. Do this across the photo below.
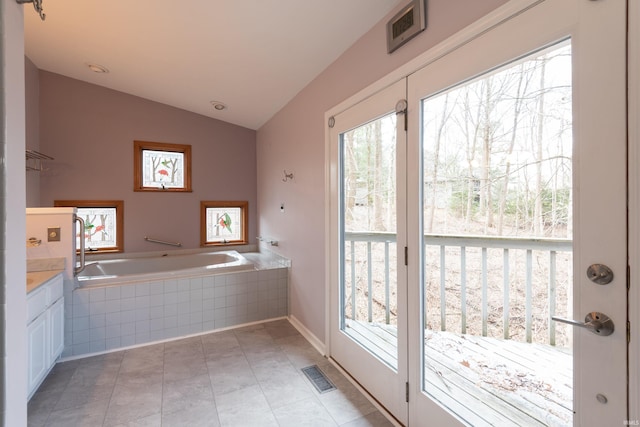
(158, 166)
(103, 224)
(223, 223)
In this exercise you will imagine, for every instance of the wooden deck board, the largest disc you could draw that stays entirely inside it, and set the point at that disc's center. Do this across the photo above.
(475, 405)
(374, 339)
(487, 381)
(520, 410)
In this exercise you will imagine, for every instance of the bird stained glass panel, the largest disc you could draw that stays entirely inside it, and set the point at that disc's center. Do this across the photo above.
(224, 224)
(99, 228)
(163, 169)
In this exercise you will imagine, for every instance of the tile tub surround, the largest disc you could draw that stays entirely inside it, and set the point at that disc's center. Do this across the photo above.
(248, 376)
(107, 318)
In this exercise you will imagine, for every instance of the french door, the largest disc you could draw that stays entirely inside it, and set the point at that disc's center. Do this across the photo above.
(478, 229)
(368, 309)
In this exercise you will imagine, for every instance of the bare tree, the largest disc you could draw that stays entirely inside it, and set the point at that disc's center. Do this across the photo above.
(522, 83)
(538, 218)
(485, 158)
(444, 117)
(351, 177)
(155, 162)
(377, 177)
(469, 126)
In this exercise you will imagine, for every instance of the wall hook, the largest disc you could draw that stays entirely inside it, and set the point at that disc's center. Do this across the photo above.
(37, 5)
(287, 176)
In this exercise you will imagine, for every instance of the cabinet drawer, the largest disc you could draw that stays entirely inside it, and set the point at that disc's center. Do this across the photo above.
(56, 289)
(44, 296)
(37, 303)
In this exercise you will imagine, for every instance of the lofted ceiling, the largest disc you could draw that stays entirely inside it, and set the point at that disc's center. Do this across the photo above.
(252, 55)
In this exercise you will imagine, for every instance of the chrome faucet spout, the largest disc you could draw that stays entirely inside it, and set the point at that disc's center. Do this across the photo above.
(33, 242)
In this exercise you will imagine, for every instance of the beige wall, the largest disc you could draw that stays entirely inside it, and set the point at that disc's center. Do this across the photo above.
(32, 95)
(90, 130)
(294, 140)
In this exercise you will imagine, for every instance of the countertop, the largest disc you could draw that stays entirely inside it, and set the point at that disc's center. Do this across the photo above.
(37, 278)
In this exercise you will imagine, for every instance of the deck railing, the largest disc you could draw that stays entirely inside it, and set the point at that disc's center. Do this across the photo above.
(445, 242)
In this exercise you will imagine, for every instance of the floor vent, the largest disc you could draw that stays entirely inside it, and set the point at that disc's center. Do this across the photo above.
(318, 379)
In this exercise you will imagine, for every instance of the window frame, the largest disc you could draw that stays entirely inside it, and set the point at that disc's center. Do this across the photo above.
(138, 168)
(244, 217)
(118, 205)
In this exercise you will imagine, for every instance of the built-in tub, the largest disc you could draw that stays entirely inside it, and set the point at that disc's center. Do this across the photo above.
(116, 271)
(151, 298)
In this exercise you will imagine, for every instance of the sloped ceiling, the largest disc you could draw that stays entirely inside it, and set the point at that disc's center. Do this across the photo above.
(252, 55)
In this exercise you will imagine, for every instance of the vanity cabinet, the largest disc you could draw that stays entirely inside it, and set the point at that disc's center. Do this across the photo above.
(45, 330)
(57, 330)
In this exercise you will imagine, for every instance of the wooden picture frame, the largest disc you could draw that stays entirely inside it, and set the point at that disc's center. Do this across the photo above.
(159, 166)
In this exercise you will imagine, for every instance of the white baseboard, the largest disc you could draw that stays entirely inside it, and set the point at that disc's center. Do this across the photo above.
(366, 394)
(148, 343)
(319, 345)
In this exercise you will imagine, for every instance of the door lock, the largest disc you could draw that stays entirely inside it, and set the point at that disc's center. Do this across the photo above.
(600, 274)
(598, 323)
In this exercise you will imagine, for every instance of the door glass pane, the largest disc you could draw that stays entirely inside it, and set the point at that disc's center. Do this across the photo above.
(497, 255)
(368, 300)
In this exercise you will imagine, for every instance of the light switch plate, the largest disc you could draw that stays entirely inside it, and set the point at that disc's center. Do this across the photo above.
(53, 234)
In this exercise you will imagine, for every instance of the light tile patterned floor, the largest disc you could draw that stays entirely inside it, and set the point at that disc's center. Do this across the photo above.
(244, 377)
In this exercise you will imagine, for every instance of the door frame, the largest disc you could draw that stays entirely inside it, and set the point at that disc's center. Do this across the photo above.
(633, 76)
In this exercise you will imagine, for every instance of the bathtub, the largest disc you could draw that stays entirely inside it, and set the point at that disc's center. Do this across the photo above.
(116, 271)
(148, 298)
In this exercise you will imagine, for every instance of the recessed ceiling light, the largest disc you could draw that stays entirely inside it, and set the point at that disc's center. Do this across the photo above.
(97, 68)
(219, 105)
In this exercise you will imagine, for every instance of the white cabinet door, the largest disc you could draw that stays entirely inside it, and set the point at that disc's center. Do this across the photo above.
(45, 330)
(38, 342)
(56, 329)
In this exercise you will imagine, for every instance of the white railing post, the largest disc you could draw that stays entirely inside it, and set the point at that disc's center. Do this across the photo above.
(463, 288)
(505, 294)
(551, 300)
(387, 309)
(528, 287)
(443, 291)
(485, 314)
(369, 283)
(353, 280)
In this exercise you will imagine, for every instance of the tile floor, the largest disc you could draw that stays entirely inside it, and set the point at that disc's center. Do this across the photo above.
(244, 377)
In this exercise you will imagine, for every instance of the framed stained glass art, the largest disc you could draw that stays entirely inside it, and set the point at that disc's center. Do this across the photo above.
(103, 224)
(159, 166)
(223, 223)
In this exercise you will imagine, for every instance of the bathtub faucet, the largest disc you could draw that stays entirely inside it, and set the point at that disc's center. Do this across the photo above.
(271, 242)
(32, 242)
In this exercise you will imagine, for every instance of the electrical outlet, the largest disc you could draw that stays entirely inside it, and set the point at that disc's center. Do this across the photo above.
(53, 234)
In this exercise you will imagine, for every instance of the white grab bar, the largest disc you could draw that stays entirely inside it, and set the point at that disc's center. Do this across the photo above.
(78, 269)
(163, 242)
